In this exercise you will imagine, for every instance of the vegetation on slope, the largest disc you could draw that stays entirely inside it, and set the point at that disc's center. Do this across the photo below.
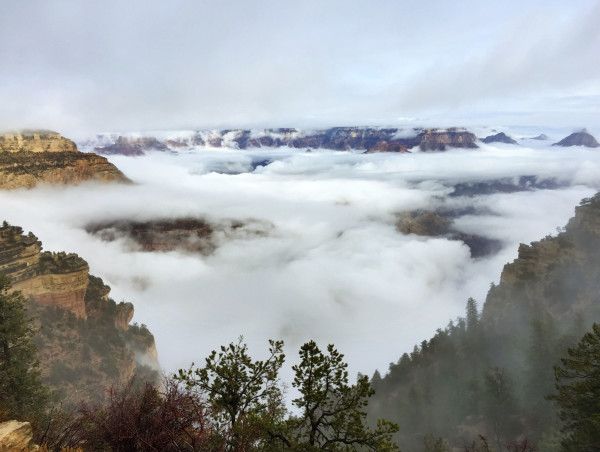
(490, 374)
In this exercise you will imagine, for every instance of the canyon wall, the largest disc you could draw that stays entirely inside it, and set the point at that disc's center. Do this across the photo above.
(31, 158)
(51, 279)
(85, 340)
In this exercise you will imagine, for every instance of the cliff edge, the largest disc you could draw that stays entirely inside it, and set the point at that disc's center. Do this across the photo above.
(85, 340)
(29, 158)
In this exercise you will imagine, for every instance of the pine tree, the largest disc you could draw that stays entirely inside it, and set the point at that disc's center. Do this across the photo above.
(332, 411)
(578, 394)
(22, 394)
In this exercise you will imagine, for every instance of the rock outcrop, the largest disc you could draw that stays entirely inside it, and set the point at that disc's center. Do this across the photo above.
(367, 139)
(440, 140)
(437, 224)
(16, 436)
(194, 235)
(51, 279)
(582, 138)
(85, 342)
(31, 158)
(500, 138)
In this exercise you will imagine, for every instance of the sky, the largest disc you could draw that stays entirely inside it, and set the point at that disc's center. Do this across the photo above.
(85, 67)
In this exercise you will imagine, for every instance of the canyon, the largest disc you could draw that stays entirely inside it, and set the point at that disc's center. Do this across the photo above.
(366, 139)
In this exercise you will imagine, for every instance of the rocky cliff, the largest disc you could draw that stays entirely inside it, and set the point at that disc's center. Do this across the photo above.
(367, 139)
(51, 279)
(556, 276)
(31, 158)
(85, 342)
(36, 141)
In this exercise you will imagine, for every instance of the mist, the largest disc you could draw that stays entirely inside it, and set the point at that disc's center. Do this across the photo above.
(330, 264)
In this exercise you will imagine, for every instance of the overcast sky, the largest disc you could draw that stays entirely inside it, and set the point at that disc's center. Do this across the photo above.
(81, 67)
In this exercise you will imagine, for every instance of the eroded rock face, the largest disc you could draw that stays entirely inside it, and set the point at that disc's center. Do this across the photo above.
(16, 436)
(435, 140)
(36, 141)
(52, 279)
(579, 139)
(194, 235)
(28, 159)
(85, 341)
(367, 139)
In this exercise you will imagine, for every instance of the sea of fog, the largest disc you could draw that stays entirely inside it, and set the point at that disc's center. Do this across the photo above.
(330, 265)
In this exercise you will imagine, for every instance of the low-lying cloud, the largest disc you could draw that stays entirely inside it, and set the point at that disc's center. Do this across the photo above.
(333, 268)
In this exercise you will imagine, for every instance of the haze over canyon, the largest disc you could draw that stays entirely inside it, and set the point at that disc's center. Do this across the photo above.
(370, 251)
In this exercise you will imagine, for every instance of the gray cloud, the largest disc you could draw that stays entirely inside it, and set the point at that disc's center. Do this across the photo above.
(87, 66)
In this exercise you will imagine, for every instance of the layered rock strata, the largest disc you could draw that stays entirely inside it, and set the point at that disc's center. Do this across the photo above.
(85, 340)
(337, 138)
(31, 158)
(51, 279)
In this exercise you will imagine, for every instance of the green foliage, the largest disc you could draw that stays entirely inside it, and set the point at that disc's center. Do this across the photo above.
(578, 394)
(247, 411)
(22, 394)
(245, 395)
(332, 411)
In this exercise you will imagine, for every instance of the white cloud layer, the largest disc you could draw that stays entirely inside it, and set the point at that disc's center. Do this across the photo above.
(333, 269)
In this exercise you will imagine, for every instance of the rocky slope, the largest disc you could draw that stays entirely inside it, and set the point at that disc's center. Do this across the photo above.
(582, 138)
(85, 342)
(30, 158)
(337, 138)
(556, 276)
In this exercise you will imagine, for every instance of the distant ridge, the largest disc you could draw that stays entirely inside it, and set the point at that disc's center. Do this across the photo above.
(367, 139)
(499, 138)
(582, 138)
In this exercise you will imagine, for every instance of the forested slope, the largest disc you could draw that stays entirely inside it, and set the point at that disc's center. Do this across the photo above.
(489, 373)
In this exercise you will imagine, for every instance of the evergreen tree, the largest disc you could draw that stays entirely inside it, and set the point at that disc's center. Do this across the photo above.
(332, 411)
(578, 394)
(22, 394)
(245, 395)
(472, 315)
